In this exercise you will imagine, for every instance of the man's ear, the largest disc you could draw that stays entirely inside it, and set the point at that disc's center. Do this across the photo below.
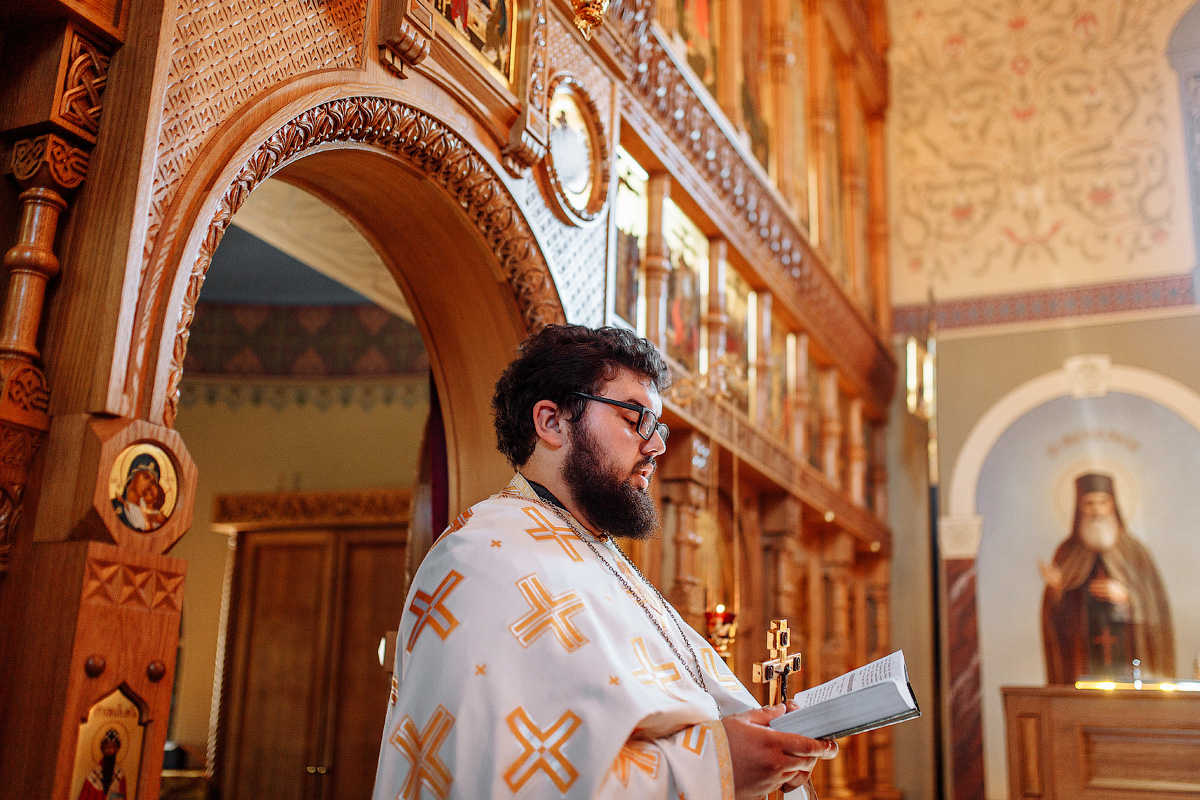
(549, 424)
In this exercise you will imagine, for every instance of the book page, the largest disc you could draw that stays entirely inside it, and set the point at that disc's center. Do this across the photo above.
(885, 669)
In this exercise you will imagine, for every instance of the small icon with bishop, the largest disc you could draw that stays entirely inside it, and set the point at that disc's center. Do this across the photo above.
(775, 672)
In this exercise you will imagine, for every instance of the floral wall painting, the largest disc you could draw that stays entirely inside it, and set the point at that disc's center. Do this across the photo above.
(1036, 145)
(1090, 503)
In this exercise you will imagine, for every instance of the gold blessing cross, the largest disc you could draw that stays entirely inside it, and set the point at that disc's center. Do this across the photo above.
(775, 672)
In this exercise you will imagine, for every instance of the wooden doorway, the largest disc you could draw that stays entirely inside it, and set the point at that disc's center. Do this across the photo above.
(314, 582)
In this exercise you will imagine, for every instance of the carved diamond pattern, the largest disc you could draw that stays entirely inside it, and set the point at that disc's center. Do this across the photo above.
(129, 586)
(224, 53)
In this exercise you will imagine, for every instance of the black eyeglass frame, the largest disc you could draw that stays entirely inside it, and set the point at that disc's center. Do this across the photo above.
(657, 426)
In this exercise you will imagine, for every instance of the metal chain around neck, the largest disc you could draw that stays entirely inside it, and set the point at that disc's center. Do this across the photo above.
(697, 676)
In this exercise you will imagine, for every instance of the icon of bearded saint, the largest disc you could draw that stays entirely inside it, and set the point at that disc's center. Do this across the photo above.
(106, 781)
(1104, 605)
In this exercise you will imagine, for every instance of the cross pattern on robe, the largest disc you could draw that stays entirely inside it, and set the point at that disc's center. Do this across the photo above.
(695, 737)
(712, 665)
(564, 535)
(548, 614)
(542, 750)
(432, 612)
(775, 672)
(420, 748)
(634, 757)
(649, 673)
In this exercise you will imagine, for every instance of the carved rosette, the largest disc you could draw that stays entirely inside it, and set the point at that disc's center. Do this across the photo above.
(426, 145)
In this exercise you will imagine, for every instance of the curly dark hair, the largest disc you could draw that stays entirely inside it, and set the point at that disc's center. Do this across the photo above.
(556, 361)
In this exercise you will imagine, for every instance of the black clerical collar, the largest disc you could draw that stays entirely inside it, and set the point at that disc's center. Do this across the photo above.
(545, 494)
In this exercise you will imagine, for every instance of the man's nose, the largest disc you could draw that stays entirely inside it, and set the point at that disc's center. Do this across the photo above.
(655, 445)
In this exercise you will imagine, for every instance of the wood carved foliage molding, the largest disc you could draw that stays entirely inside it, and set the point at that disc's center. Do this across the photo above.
(298, 508)
(426, 145)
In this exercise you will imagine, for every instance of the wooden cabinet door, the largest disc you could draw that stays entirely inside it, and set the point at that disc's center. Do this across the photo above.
(279, 629)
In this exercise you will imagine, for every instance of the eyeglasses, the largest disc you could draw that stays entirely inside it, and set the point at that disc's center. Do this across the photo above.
(647, 422)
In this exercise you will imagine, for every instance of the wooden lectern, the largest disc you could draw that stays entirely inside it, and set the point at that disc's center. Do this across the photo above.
(1080, 744)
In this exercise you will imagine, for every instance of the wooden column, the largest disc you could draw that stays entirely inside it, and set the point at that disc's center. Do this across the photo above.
(883, 762)
(877, 224)
(838, 646)
(716, 321)
(729, 60)
(684, 478)
(658, 264)
(880, 472)
(781, 77)
(821, 143)
(831, 428)
(852, 181)
(802, 400)
(760, 369)
(782, 567)
(856, 453)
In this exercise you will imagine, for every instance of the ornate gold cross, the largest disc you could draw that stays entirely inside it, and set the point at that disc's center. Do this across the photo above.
(776, 671)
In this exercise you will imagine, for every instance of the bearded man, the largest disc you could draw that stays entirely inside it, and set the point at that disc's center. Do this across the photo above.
(1104, 605)
(534, 660)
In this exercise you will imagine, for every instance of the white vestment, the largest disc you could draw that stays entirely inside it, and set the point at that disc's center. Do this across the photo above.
(527, 668)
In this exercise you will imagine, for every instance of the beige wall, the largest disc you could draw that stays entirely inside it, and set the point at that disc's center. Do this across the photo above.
(267, 448)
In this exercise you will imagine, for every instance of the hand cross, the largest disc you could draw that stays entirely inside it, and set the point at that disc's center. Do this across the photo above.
(775, 672)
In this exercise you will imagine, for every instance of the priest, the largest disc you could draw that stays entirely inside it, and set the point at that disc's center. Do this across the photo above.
(533, 659)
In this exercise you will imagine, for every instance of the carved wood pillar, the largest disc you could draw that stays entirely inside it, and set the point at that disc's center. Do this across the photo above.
(831, 427)
(877, 225)
(852, 180)
(781, 77)
(883, 763)
(782, 556)
(684, 479)
(880, 471)
(802, 400)
(729, 60)
(716, 321)
(856, 454)
(658, 264)
(760, 369)
(838, 646)
(824, 125)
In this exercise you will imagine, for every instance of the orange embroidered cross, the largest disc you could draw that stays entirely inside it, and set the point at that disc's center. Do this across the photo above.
(695, 737)
(549, 613)
(542, 750)
(547, 530)
(459, 522)
(649, 673)
(430, 610)
(713, 665)
(420, 748)
(631, 757)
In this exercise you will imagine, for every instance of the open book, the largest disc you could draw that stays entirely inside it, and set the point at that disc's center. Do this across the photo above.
(864, 699)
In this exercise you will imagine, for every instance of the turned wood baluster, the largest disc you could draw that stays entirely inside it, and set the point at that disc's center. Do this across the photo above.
(46, 168)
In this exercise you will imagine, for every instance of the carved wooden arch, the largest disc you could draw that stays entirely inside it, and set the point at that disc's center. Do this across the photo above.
(424, 144)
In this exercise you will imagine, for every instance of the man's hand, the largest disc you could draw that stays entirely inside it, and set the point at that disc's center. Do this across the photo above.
(1109, 589)
(765, 759)
(1052, 575)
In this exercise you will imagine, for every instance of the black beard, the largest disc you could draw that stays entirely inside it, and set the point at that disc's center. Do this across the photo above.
(108, 766)
(608, 501)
